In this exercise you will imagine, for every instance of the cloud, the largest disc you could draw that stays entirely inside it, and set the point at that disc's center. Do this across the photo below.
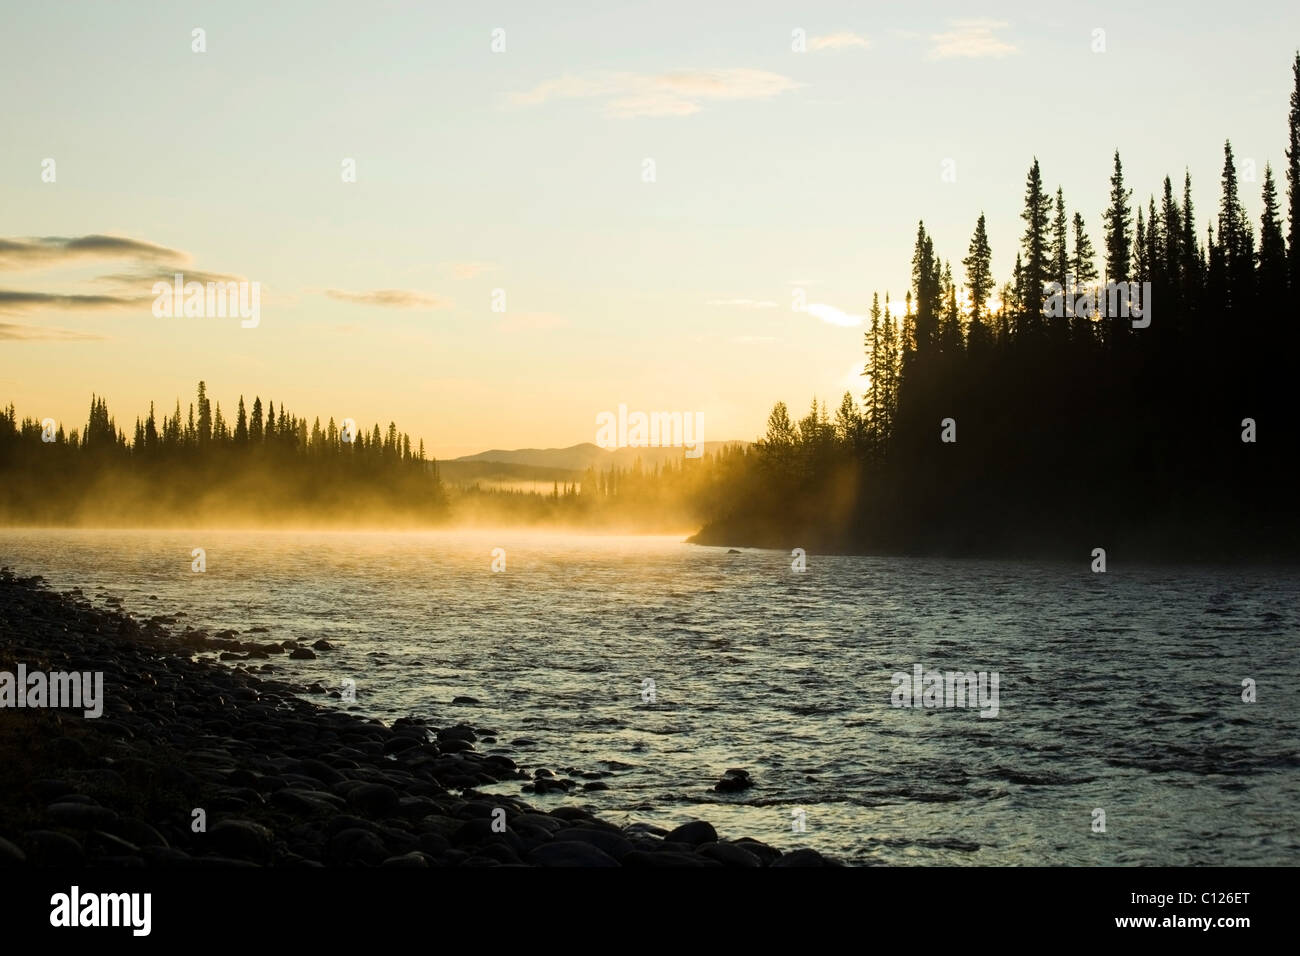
(145, 278)
(129, 289)
(33, 333)
(12, 300)
(676, 93)
(833, 316)
(390, 298)
(838, 41)
(38, 253)
(969, 38)
(466, 270)
(743, 303)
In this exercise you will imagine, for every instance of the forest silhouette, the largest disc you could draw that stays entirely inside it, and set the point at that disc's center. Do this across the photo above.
(1173, 440)
(994, 420)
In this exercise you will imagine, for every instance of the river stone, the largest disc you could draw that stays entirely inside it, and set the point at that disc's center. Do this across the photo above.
(802, 857)
(80, 815)
(374, 798)
(50, 848)
(728, 854)
(241, 839)
(357, 846)
(694, 833)
(611, 841)
(10, 854)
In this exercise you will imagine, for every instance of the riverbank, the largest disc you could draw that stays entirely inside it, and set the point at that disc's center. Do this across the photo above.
(196, 763)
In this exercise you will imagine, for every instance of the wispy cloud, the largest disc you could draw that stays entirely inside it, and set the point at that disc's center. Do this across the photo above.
(465, 270)
(390, 298)
(12, 300)
(34, 333)
(743, 303)
(970, 38)
(130, 289)
(838, 41)
(676, 93)
(40, 253)
(833, 316)
(145, 278)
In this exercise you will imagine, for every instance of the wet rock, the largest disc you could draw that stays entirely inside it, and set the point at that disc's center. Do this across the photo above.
(138, 833)
(728, 854)
(413, 859)
(459, 732)
(307, 802)
(693, 833)
(301, 654)
(357, 846)
(803, 857)
(101, 844)
(10, 854)
(767, 855)
(374, 798)
(733, 781)
(51, 848)
(608, 840)
(80, 815)
(241, 840)
(320, 770)
(50, 791)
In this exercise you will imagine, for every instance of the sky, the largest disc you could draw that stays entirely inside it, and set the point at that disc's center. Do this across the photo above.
(646, 189)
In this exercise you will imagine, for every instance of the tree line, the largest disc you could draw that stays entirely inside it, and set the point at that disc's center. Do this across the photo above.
(267, 466)
(1059, 407)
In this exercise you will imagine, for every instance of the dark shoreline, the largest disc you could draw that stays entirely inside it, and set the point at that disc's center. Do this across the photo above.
(1144, 551)
(282, 781)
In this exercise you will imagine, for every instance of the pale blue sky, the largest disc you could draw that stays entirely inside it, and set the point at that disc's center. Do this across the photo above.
(771, 167)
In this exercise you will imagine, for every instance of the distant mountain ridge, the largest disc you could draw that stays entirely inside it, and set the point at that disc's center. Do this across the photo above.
(579, 458)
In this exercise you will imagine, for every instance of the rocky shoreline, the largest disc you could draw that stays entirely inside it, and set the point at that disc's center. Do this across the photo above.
(274, 779)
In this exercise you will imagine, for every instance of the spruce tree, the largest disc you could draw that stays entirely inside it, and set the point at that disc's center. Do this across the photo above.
(979, 271)
(1061, 244)
(1036, 242)
(1119, 244)
(1272, 249)
(1083, 262)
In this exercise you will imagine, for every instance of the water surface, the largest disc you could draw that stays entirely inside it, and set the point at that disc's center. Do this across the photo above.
(1119, 691)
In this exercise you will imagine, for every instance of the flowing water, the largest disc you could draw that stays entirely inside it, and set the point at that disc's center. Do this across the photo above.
(1119, 692)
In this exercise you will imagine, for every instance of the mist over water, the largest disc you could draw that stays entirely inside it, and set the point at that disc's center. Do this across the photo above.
(1119, 691)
